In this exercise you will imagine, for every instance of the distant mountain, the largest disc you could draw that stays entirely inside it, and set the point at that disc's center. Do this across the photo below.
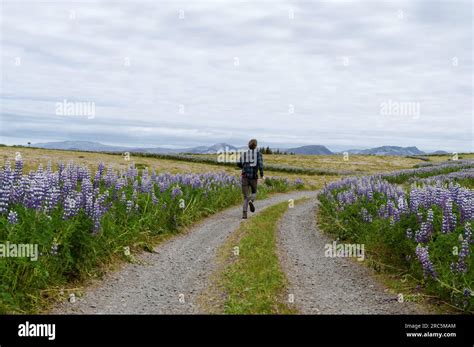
(210, 149)
(440, 152)
(388, 150)
(99, 147)
(312, 149)
(308, 150)
(81, 146)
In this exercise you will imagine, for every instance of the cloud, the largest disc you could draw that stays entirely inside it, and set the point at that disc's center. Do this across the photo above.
(291, 73)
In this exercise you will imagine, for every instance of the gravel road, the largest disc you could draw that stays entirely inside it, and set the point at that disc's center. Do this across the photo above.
(328, 285)
(169, 280)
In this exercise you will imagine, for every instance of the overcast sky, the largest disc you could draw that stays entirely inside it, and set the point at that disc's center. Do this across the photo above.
(290, 73)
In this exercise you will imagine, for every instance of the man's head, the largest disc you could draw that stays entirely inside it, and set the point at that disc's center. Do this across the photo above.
(253, 144)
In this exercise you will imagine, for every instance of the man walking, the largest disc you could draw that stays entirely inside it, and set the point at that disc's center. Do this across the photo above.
(251, 163)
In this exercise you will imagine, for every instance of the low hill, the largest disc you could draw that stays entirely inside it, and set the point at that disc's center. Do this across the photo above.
(388, 150)
(312, 149)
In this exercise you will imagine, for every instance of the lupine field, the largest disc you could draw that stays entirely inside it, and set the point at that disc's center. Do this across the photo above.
(82, 218)
(415, 223)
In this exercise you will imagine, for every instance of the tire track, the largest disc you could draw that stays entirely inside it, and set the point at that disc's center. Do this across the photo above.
(325, 285)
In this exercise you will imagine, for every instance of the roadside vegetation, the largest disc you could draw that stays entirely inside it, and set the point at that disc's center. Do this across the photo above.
(415, 225)
(75, 220)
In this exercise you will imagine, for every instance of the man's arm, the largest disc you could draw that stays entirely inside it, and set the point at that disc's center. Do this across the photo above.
(239, 162)
(260, 164)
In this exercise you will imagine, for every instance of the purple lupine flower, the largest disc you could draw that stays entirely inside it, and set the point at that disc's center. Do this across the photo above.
(176, 192)
(370, 194)
(366, 216)
(110, 178)
(163, 186)
(69, 207)
(60, 170)
(382, 212)
(99, 209)
(465, 201)
(18, 193)
(146, 182)
(415, 200)
(66, 188)
(120, 184)
(39, 189)
(430, 217)
(424, 234)
(132, 172)
(391, 209)
(196, 183)
(154, 199)
(461, 265)
(18, 169)
(419, 217)
(73, 175)
(449, 218)
(426, 229)
(298, 182)
(97, 178)
(424, 258)
(129, 206)
(51, 197)
(468, 232)
(27, 186)
(6, 187)
(101, 168)
(54, 248)
(97, 214)
(12, 217)
(402, 205)
(445, 224)
(87, 196)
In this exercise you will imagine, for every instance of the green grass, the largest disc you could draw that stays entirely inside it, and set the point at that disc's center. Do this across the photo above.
(255, 283)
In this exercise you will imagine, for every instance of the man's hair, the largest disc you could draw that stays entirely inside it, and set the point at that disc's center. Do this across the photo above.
(253, 144)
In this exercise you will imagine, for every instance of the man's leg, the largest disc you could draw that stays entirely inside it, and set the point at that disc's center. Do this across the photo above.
(245, 191)
(253, 187)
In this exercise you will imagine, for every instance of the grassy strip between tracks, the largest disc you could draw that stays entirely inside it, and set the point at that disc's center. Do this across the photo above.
(253, 280)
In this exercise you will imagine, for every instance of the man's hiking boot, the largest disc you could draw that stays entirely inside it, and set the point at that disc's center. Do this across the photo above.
(244, 215)
(252, 207)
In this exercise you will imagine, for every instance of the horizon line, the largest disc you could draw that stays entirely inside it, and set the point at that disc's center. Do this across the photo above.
(174, 147)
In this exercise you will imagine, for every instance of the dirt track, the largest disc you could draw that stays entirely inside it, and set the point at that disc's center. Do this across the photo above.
(328, 285)
(172, 278)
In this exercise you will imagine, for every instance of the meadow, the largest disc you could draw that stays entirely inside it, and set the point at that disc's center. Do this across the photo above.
(86, 211)
(334, 165)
